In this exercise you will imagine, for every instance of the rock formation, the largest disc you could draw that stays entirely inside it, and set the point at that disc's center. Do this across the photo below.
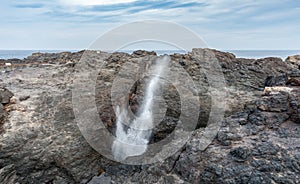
(5, 96)
(258, 141)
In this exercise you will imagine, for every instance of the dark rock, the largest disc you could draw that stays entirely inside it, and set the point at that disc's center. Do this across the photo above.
(290, 78)
(265, 149)
(294, 79)
(224, 139)
(5, 95)
(144, 53)
(275, 103)
(240, 154)
(208, 176)
(270, 59)
(276, 80)
(182, 63)
(258, 177)
(23, 98)
(295, 107)
(258, 141)
(1, 111)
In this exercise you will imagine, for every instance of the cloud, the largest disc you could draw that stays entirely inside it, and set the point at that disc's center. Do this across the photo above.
(94, 2)
(33, 5)
(246, 21)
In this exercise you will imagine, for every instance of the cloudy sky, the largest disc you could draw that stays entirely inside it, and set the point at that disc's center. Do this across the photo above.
(223, 24)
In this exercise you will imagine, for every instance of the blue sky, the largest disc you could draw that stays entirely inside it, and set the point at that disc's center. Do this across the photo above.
(223, 24)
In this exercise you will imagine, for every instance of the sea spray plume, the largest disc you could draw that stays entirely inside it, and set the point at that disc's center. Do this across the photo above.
(134, 140)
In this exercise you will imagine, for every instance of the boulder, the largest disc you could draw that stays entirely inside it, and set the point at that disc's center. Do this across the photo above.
(24, 97)
(5, 95)
(294, 60)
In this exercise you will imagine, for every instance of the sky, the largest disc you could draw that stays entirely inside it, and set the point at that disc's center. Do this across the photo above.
(222, 24)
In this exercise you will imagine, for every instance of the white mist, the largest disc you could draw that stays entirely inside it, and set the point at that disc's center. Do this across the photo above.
(134, 140)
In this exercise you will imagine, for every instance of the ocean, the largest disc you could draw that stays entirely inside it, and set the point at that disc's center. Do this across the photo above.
(255, 54)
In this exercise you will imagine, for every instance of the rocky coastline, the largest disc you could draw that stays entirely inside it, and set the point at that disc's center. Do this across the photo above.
(258, 142)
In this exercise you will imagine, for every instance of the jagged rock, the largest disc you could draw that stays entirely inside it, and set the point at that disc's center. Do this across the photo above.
(276, 80)
(244, 79)
(294, 60)
(293, 79)
(5, 95)
(257, 142)
(262, 149)
(143, 53)
(289, 79)
(240, 154)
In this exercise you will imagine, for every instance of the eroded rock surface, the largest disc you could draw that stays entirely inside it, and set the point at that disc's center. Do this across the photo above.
(258, 142)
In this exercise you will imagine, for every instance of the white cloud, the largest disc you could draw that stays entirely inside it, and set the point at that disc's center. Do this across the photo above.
(224, 24)
(94, 2)
(276, 15)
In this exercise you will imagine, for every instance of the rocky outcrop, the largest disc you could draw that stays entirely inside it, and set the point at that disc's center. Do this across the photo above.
(256, 145)
(5, 96)
(294, 60)
(258, 141)
(40, 59)
(245, 79)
